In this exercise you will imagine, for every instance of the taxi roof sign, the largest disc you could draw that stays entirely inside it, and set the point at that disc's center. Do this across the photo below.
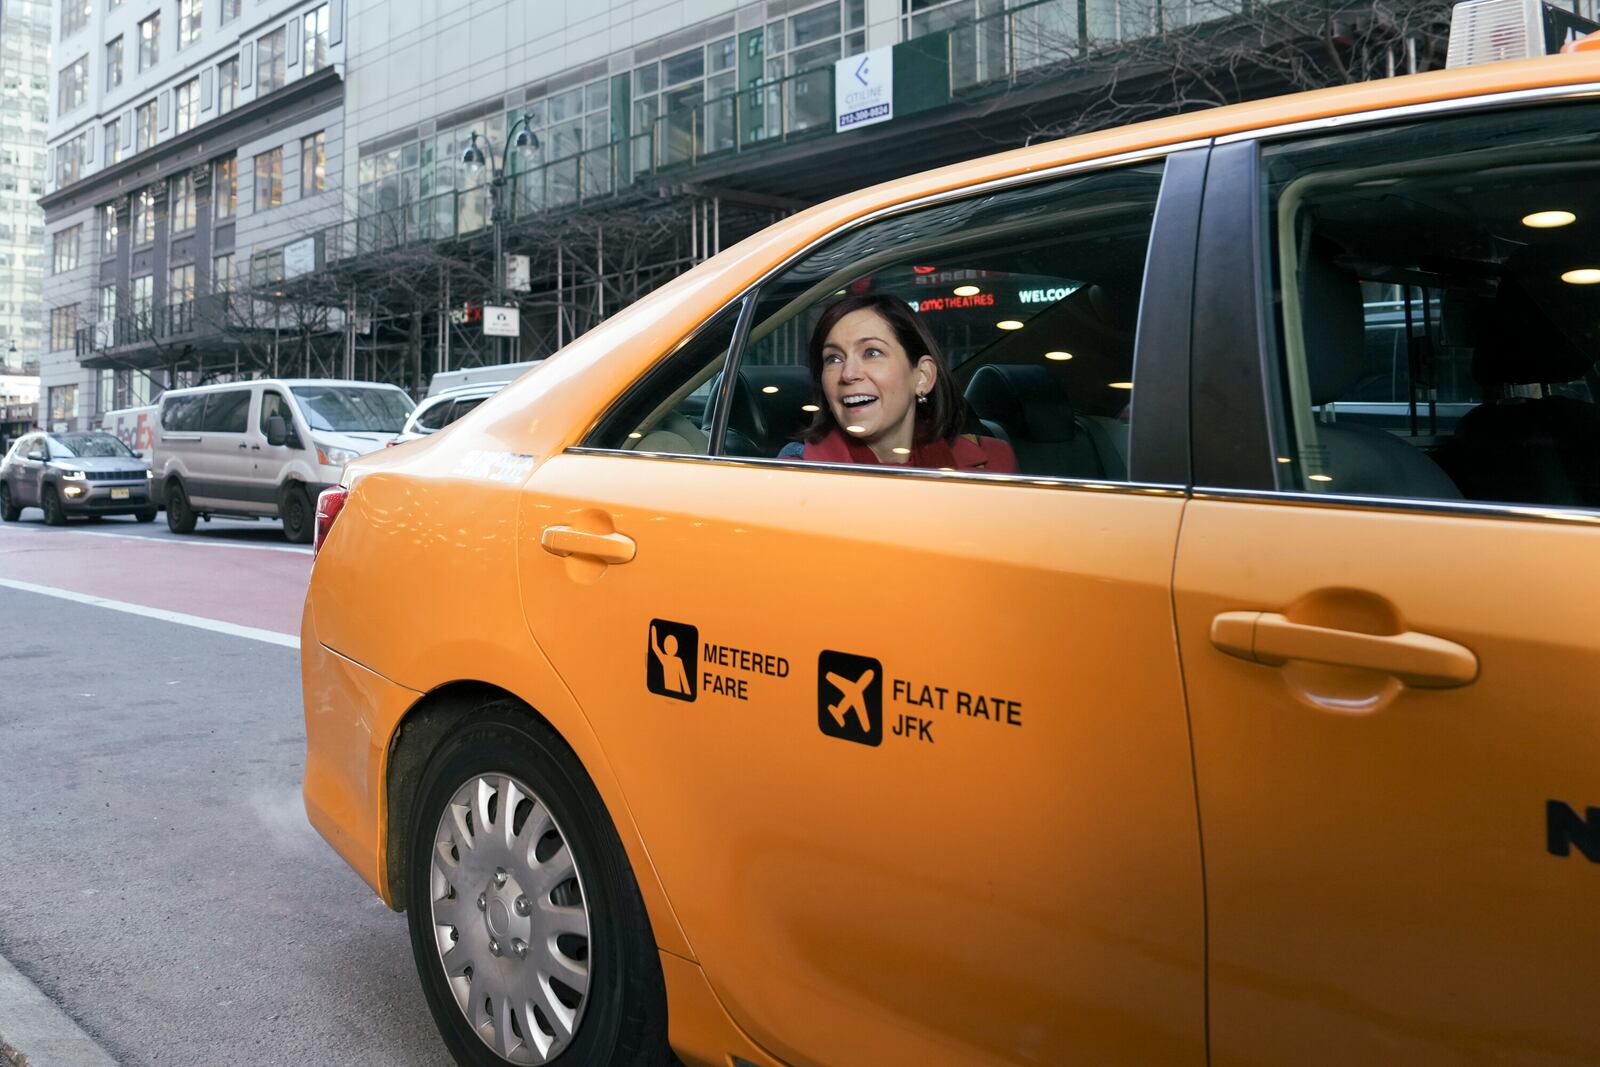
(1488, 31)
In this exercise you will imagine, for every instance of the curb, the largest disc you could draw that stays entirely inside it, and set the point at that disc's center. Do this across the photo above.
(34, 1032)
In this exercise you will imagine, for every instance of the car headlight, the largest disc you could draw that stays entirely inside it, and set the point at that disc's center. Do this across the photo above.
(335, 457)
(149, 474)
(72, 476)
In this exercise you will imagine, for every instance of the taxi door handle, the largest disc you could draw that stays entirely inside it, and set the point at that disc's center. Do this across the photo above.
(1419, 660)
(607, 548)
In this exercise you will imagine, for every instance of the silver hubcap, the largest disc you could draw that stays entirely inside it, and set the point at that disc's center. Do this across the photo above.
(509, 919)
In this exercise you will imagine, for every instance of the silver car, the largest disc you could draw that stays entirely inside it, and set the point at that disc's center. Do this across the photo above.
(70, 474)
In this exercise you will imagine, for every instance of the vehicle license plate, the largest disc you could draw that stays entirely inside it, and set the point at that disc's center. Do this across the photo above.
(119, 494)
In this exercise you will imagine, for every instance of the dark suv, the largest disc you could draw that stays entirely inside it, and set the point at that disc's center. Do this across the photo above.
(69, 474)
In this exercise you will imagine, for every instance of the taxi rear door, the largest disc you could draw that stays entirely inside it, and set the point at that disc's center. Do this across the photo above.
(1394, 696)
(908, 750)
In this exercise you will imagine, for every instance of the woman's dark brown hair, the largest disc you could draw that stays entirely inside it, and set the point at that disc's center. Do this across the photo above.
(940, 419)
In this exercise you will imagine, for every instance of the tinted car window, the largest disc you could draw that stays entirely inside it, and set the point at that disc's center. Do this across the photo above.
(1438, 324)
(273, 403)
(462, 406)
(227, 412)
(182, 413)
(436, 416)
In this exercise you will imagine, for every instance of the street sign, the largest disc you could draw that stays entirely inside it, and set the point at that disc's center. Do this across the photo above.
(501, 321)
(863, 89)
(519, 277)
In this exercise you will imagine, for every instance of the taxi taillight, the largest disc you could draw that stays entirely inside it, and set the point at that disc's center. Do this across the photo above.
(329, 503)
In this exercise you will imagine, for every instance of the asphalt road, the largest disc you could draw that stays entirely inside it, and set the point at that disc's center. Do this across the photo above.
(158, 878)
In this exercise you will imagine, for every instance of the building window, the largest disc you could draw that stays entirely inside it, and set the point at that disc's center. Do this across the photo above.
(222, 273)
(108, 231)
(106, 304)
(70, 158)
(313, 164)
(150, 41)
(186, 104)
(143, 294)
(114, 63)
(64, 249)
(225, 186)
(316, 42)
(144, 126)
(227, 85)
(113, 142)
(266, 267)
(231, 9)
(73, 86)
(181, 214)
(144, 216)
(74, 16)
(62, 322)
(269, 179)
(188, 23)
(271, 54)
(180, 286)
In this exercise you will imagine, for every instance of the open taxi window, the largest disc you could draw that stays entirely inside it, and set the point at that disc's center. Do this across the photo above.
(1438, 312)
(1030, 293)
(670, 410)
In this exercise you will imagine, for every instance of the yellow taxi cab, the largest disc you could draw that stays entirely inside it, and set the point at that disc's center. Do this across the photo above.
(1240, 704)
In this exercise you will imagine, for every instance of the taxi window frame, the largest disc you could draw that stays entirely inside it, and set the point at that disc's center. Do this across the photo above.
(1235, 363)
(1162, 338)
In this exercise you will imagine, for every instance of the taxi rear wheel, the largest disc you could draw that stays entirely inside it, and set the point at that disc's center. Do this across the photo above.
(528, 930)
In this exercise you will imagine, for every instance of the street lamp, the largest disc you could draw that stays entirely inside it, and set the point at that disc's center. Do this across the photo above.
(521, 137)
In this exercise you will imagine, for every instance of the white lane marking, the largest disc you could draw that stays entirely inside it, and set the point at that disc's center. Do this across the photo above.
(35, 1031)
(188, 542)
(271, 637)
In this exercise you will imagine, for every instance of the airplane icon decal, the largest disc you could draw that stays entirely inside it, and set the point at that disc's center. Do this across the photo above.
(854, 700)
(850, 697)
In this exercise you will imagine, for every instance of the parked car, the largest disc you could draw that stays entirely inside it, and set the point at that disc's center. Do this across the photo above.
(67, 475)
(434, 413)
(265, 449)
(1230, 727)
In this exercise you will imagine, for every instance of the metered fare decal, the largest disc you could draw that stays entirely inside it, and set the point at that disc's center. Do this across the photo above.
(679, 666)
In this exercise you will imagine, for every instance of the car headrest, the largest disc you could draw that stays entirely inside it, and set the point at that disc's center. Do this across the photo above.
(1026, 400)
(1522, 342)
(1334, 328)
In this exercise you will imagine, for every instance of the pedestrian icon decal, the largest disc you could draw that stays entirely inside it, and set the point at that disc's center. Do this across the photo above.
(850, 697)
(669, 664)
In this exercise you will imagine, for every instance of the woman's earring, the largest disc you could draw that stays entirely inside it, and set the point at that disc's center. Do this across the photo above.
(922, 398)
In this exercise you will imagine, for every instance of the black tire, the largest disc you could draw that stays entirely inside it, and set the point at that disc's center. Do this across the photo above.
(180, 516)
(147, 515)
(622, 1018)
(9, 512)
(299, 520)
(54, 514)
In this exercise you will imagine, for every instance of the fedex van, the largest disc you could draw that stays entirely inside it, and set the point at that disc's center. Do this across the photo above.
(265, 449)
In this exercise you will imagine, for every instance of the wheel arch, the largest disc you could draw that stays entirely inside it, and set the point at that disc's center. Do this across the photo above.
(417, 736)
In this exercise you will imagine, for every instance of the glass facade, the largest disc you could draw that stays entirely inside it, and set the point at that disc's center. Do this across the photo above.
(24, 112)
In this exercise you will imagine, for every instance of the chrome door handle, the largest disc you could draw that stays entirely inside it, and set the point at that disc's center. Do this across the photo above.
(1417, 659)
(607, 548)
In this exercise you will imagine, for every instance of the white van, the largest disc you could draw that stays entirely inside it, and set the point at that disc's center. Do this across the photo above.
(265, 449)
